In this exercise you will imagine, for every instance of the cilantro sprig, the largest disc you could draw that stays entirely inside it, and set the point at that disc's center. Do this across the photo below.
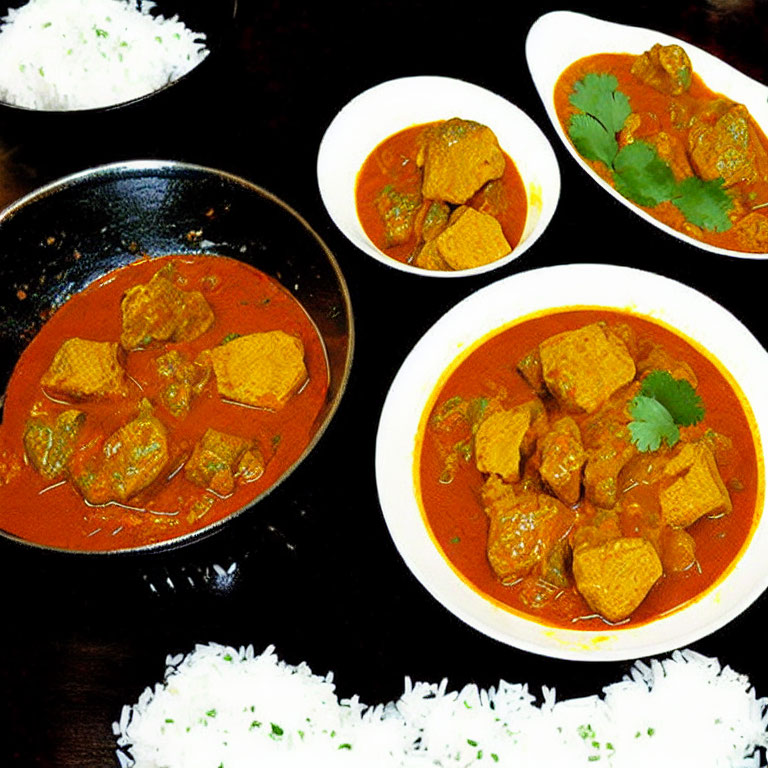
(638, 171)
(662, 406)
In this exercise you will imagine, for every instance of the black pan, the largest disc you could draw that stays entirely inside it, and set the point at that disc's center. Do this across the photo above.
(57, 240)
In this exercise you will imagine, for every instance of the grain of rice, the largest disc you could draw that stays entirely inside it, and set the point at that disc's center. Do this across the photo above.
(221, 706)
(83, 54)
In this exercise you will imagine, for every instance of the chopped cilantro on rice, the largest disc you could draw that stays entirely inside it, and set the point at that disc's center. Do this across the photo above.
(83, 54)
(232, 708)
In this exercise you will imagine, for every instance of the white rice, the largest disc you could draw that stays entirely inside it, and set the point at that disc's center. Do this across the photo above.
(222, 707)
(82, 54)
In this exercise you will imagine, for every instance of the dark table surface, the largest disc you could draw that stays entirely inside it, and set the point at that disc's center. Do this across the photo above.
(313, 569)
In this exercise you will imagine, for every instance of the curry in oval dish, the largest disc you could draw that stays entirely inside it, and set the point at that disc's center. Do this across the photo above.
(693, 159)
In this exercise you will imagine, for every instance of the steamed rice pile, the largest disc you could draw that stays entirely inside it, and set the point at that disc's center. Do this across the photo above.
(222, 707)
(82, 54)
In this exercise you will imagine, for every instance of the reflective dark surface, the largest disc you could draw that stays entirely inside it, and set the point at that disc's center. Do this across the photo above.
(314, 571)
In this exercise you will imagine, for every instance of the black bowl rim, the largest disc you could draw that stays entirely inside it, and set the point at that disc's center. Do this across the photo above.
(132, 168)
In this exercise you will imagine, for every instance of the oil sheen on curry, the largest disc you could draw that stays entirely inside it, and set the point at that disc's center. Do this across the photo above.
(589, 467)
(693, 159)
(442, 196)
(165, 396)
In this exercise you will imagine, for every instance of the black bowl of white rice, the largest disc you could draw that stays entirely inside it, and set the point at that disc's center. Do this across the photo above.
(84, 56)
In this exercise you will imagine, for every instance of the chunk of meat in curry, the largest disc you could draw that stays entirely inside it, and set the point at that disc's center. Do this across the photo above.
(562, 460)
(471, 239)
(161, 311)
(723, 144)
(614, 577)
(570, 499)
(499, 442)
(608, 446)
(183, 380)
(49, 441)
(696, 488)
(583, 368)
(524, 529)
(260, 369)
(219, 459)
(86, 370)
(398, 209)
(458, 157)
(126, 463)
(666, 68)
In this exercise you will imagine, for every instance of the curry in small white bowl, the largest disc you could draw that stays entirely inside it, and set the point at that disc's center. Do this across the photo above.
(438, 177)
(581, 476)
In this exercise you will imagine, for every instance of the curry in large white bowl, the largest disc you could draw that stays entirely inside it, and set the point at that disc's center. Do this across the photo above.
(581, 475)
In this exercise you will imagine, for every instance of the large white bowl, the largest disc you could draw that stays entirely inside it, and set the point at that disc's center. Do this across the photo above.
(559, 38)
(494, 307)
(392, 106)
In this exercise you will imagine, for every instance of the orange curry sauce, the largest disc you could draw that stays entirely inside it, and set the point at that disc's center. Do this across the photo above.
(244, 300)
(393, 163)
(459, 525)
(643, 98)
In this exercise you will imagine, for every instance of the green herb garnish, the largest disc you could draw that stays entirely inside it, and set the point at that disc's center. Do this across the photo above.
(598, 95)
(639, 173)
(662, 406)
(704, 203)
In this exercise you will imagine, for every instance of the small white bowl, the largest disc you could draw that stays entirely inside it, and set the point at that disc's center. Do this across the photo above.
(385, 109)
(496, 306)
(558, 39)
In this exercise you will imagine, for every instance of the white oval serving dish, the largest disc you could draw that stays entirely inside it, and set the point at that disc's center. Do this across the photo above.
(558, 39)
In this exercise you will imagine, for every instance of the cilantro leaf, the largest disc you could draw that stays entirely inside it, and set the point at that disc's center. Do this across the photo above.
(639, 173)
(597, 95)
(592, 140)
(642, 176)
(652, 424)
(676, 395)
(704, 203)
